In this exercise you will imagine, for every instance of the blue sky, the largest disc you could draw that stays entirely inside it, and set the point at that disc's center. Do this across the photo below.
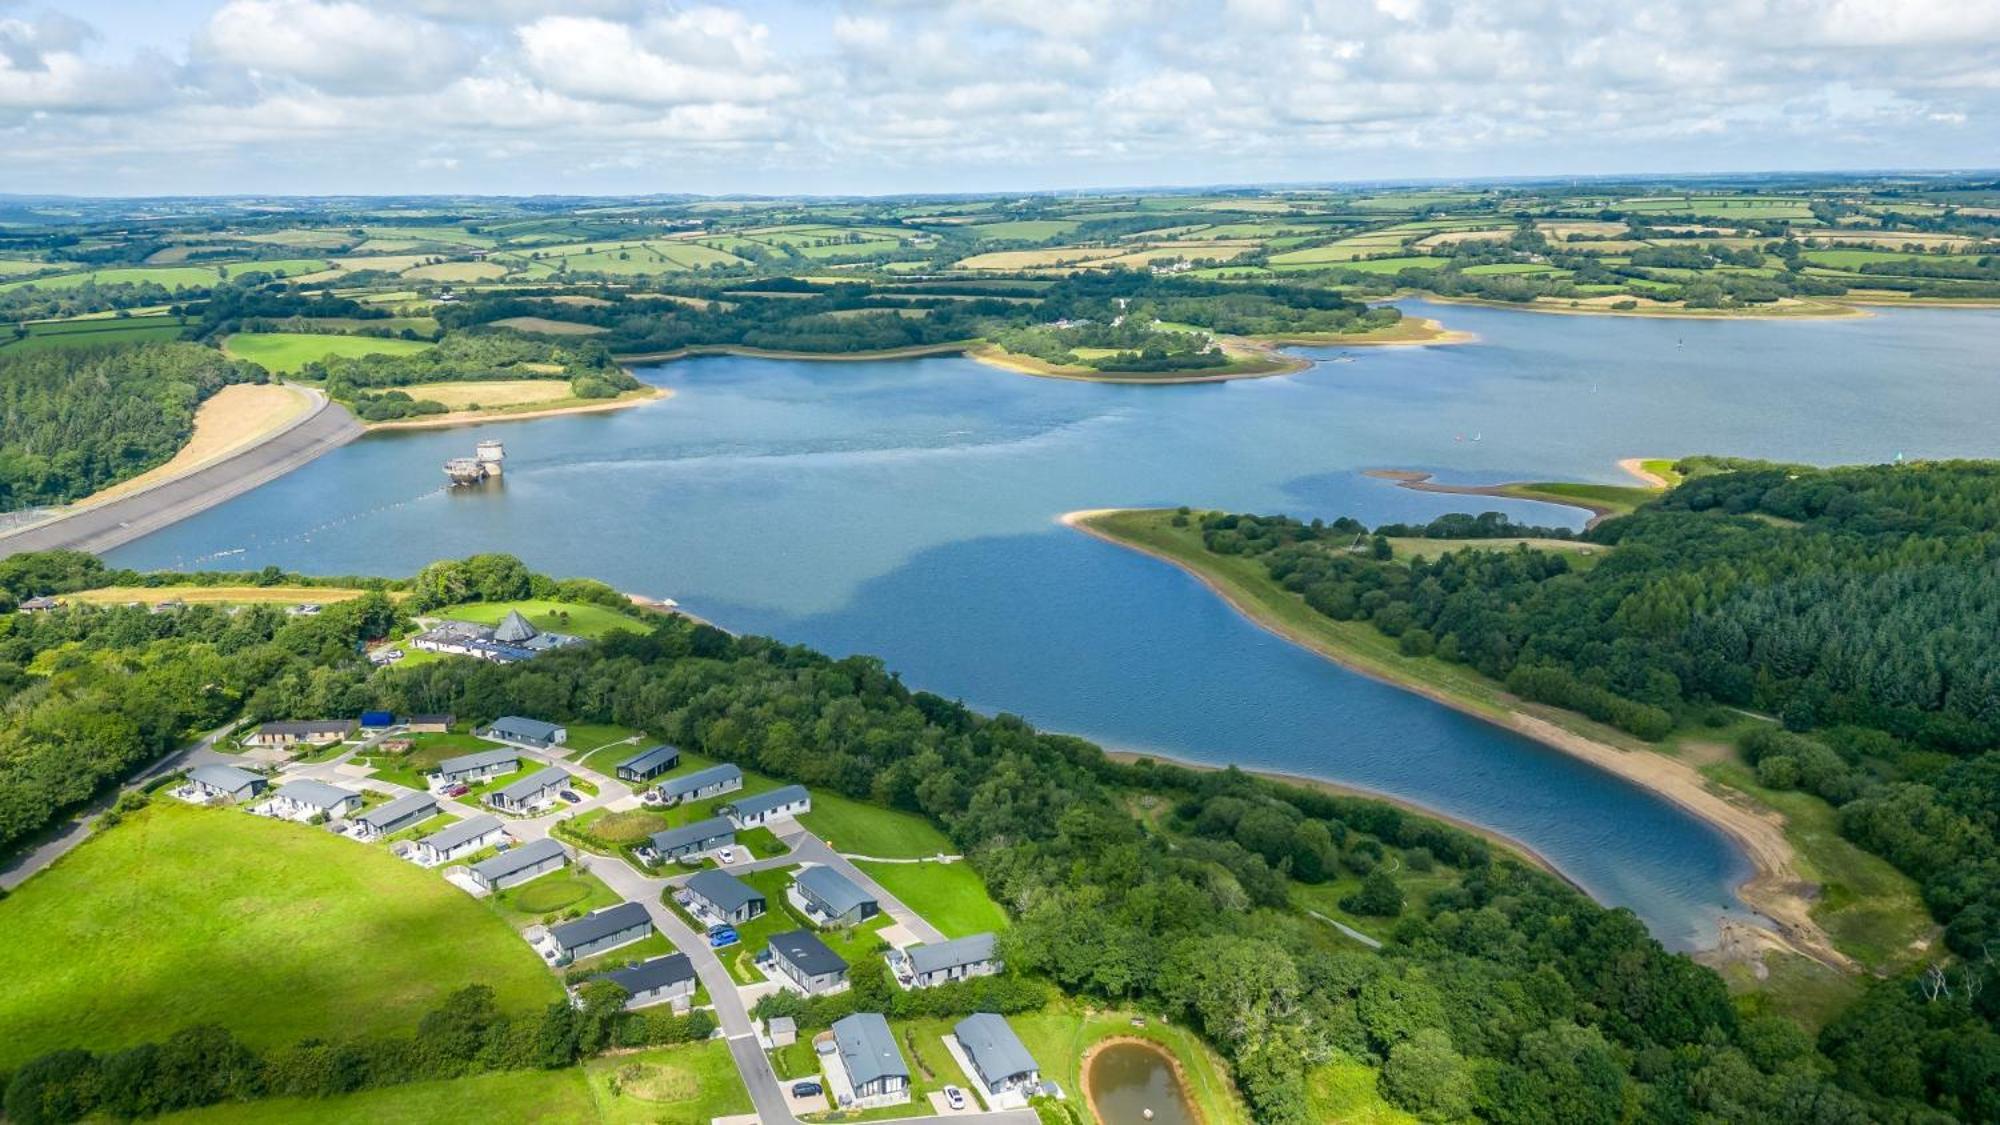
(629, 96)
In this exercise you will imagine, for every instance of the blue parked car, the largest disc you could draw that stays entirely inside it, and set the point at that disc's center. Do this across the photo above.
(721, 936)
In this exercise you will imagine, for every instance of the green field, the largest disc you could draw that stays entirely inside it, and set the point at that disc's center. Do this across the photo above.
(94, 332)
(576, 618)
(859, 828)
(684, 1085)
(171, 277)
(288, 352)
(182, 916)
(1058, 1035)
(950, 896)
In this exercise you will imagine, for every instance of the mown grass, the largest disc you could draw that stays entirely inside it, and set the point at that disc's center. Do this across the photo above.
(1058, 1035)
(288, 353)
(182, 916)
(575, 618)
(854, 827)
(950, 896)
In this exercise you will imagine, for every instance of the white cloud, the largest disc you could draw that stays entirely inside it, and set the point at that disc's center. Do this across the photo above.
(777, 95)
(343, 47)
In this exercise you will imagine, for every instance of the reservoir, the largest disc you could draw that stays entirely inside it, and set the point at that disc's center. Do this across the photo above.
(907, 509)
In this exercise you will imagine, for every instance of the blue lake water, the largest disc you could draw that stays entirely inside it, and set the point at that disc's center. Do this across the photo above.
(908, 509)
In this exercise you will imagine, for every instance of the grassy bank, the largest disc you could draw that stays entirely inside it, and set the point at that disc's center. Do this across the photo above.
(182, 916)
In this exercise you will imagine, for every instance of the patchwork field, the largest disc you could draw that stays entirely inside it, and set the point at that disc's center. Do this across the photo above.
(182, 916)
(289, 352)
(92, 332)
(493, 392)
(551, 327)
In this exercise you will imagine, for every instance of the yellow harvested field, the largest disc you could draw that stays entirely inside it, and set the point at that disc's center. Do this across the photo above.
(574, 299)
(1041, 259)
(388, 263)
(232, 419)
(1220, 251)
(458, 271)
(552, 327)
(1892, 240)
(1455, 236)
(492, 392)
(1559, 229)
(228, 595)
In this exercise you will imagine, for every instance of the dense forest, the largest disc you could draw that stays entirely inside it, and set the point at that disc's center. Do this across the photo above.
(74, 420)
(1856, 605)
(1504, 995)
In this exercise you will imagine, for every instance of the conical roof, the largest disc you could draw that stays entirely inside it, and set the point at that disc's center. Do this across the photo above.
(514, 628)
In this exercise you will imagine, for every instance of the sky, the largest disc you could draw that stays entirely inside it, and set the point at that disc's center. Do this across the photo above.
(507, 97)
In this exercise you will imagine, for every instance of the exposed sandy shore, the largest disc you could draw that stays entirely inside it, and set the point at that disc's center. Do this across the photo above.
(1410, 332)
(1776, 890)
(917, 352)
(1422, 482)
(1825, 309)
(1278, 363)
(1637, 467)
(480, 417)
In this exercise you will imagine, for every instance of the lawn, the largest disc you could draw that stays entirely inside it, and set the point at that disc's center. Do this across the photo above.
(950, 896)
(521, 1095)
(575, 618)
(288, 352)
(526, 904)
(92, 333)
(858, 828)
(690, 1084)
(426, 751)
(274, 930)
(587, 738)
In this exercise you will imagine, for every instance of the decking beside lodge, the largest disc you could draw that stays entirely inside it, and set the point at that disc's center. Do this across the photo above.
(927, 966)
(305, 798)
(525, 731)
(292, 732)
(468, 768)
(1002, 1062)
(806, 963)
(404, 812)
(829, 898)
(687, 841)
(518, 865)
(217, 782)
(649, 763)
(874, 1068)
(531, 792)
(601, 932)
(701, 784)
(763, 808)
(453, 841)
(514, 639)
(661, 980)
(717, 896)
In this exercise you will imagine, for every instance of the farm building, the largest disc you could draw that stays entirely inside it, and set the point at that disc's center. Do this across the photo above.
(763, 808)
(313, 798)
(832, 899)
(702, 784)
(468, 768)
(41, 604)
(533, 791)
(926, 966)
(649, 764)
(662, 980)
(688, 840)
(310, 732)
(724, 896)
(528, 732)
(462, 839)
(998, 1056)
(518, 865)
(875, 1067)
(429, 724)
(224, 783)
(403, 812)
(601, 932)
(806, 962)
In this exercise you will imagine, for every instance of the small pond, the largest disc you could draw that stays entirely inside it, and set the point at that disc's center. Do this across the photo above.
(1128, 1078)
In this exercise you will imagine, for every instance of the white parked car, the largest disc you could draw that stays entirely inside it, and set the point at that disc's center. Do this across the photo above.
(726, 855)
(954, 1097)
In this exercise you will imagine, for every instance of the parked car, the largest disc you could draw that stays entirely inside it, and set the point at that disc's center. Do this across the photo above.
(570, 797)
(726, 855)
(806, 1090)
(458, 791)
(503, 845)
(954, 1097)
(721, 936)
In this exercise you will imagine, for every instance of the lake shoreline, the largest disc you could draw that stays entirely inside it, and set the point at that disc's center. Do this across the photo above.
(480, 418)
(1775, 889)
